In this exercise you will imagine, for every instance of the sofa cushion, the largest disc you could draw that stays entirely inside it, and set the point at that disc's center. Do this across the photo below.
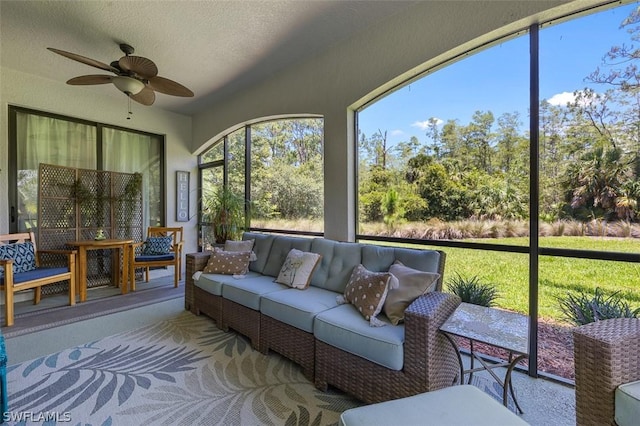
(338, 261)
(298, 268)
(298, 308)
(244, 245)
(367, 291)
(228, 262)
(212, 283)
(377, 258)
(261, 248)
(627, 404)
(344, 328)
(247, 291)
(280, 249)
(412, 283)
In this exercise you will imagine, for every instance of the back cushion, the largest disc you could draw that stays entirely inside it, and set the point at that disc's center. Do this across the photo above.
(336, 265)
(377, 259)
(261, 248)
(280, 249)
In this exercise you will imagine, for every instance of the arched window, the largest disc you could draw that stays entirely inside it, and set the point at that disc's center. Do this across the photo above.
(276, 167)
(546, 217)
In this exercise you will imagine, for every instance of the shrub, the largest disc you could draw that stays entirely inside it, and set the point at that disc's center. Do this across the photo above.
(583, 308)
(471, 290)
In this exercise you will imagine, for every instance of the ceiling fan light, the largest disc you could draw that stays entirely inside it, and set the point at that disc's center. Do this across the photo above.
(128, 85)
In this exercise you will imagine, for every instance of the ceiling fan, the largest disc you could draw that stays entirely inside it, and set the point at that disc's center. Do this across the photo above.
(135, 76)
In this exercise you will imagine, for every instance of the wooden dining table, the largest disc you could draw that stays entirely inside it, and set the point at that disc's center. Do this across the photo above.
(120, 274)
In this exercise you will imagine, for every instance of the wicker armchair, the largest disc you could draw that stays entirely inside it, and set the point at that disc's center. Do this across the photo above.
(607, 354)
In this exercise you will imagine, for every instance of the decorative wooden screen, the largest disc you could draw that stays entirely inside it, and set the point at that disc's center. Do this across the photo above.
(73, 204)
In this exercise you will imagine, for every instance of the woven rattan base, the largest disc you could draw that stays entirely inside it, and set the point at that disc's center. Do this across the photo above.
(243, 320)
(291, 342)
(208, 304)
(194, 262)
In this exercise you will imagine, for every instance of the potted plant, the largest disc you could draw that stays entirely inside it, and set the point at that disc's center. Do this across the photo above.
(225, 211)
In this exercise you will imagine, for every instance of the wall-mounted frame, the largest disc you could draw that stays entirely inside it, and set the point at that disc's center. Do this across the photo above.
(182, 196)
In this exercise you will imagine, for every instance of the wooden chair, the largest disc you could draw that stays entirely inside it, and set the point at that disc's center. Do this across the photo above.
(36, 278)
(139, 258)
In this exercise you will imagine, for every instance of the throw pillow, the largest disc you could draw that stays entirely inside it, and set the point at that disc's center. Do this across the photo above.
(412, 284)
(23, 255)
(367, 291)
(245, 245)
(298, 268)
(157, 245)
(228, 262)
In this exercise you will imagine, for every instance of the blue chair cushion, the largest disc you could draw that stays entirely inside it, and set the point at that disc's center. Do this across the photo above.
(35, 274)
(23, 255)
(157, 245)
(155, 258)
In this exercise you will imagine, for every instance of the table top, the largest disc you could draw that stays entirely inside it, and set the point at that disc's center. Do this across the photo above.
(496, 327)
(98, 243)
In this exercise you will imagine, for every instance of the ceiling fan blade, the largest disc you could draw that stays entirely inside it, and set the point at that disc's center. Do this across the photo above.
(83, 59)
(90, 79)
(142, 67)
(169, 87)
(145, 97)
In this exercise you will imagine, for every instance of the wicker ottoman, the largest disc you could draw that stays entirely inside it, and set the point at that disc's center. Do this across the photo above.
(607, 355)
(456, 405)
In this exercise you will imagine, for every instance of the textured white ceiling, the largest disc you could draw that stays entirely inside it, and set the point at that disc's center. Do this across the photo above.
(212, 47)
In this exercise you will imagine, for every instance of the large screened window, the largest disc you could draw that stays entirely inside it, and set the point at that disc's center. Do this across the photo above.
(37, 137)
(446, 161)
(276, 167)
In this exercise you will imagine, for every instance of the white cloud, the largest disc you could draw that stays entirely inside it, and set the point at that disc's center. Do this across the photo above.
(562, 99)
(397, 132)
(424, 125)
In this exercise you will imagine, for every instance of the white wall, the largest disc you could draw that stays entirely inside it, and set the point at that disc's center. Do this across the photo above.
(343, 78)
(33, 92)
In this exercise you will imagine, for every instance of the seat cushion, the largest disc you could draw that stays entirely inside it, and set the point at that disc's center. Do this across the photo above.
(248, 291)
(298, 308)
(36, 274)
(455, 405)
(344, 328)
(627, 411)
(212, 283)
(155, 258)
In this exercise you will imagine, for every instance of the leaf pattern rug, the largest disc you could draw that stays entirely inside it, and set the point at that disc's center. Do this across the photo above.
(179, 372)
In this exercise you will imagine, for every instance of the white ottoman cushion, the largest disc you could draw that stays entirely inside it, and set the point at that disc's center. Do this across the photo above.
(628, 404)
(457, 405)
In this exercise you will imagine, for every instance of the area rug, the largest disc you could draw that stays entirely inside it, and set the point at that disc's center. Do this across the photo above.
(179, 372)
(184, 371)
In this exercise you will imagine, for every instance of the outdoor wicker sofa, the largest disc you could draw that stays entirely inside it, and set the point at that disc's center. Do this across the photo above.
(333, 343)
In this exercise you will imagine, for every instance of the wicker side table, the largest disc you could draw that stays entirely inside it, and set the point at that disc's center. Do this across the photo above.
(607, 354)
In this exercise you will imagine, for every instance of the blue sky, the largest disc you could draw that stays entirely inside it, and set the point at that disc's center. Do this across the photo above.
(497, 79)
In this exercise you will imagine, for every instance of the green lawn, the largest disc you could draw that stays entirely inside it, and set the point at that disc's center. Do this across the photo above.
(510, 274)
